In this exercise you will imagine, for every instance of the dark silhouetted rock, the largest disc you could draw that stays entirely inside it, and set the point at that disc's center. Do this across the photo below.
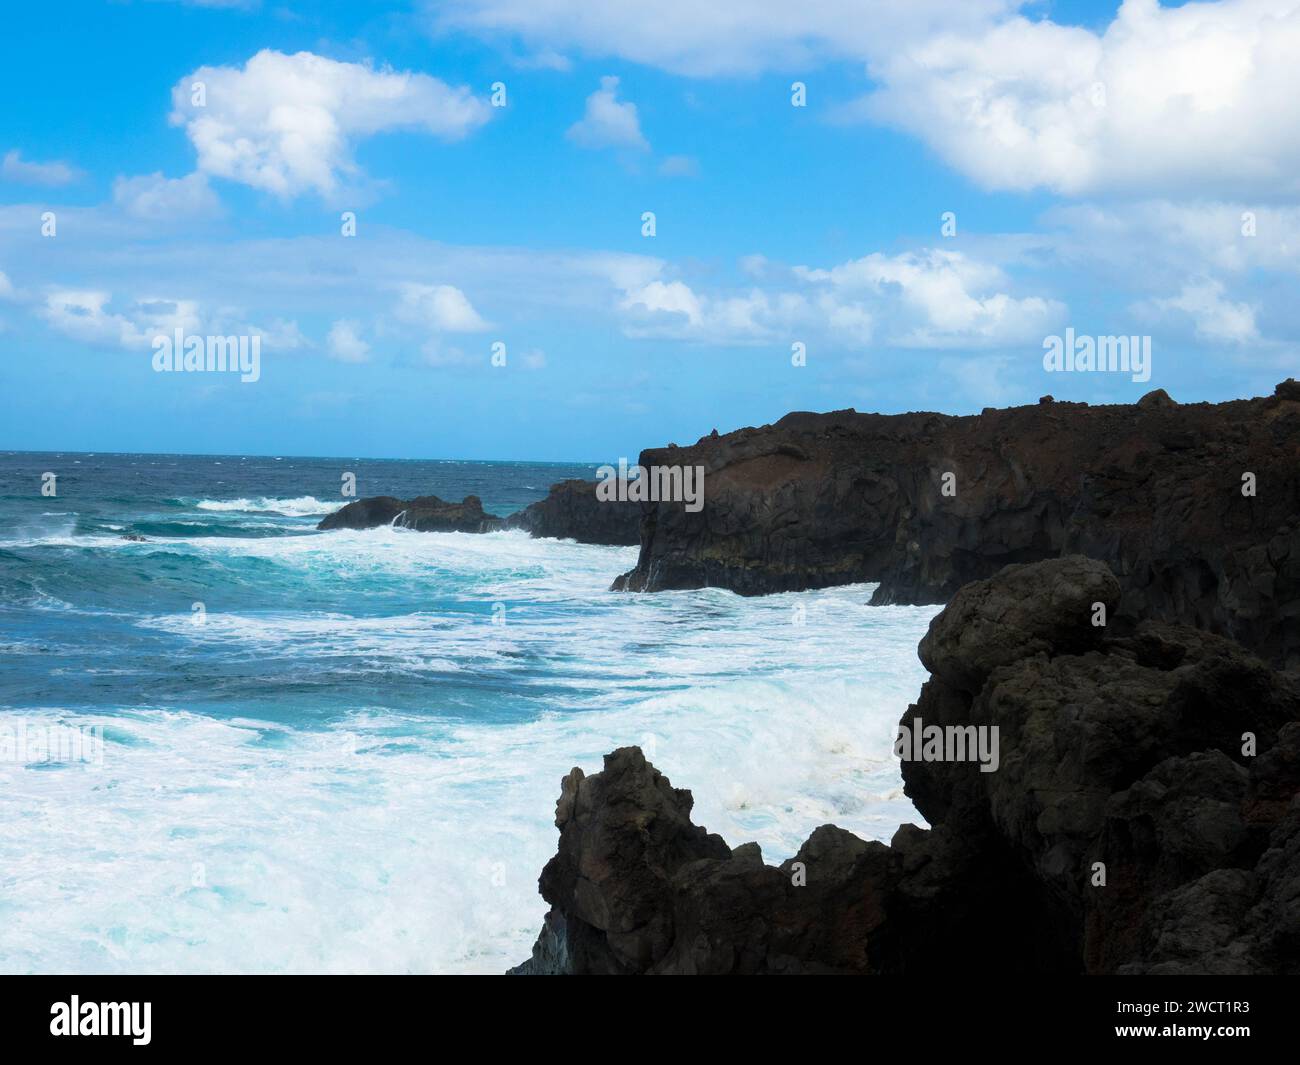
(1143, 817)
(1156, 398)
(1026, 610)
(925, 503)
(422, 514)
(572, 511)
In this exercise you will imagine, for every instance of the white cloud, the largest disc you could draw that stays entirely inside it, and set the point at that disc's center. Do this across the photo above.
(718, 37)
(927, 299)
(440, 308)
(155, 198)
(1213, 317)
(936, 298)
(672, 310)
(281, 335)
(286, 123)
(98, 318)
(1197, 97)
(344, 342)
(1210, 234)
(16, 168)
(85, 315)
(671, 297)
(607, 121)
(6, 287)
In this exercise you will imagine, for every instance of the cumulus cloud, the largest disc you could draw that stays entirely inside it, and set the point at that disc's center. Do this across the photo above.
(439, 308)
(86, 315)
(608, 122)
(1213, 316)
(673, 310)
(98, 318)
(927, 299)
(940, 298)
(155, 198)
(17, 169)
(344, 342)
(287, 123)
(1195, 97)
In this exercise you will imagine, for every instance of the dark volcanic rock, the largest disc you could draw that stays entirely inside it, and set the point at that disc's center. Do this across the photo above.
(572, 511)
(368, 513)
(1154, 489)
(623, 834)
(1143, 816)
(997, 622)
(423, 514)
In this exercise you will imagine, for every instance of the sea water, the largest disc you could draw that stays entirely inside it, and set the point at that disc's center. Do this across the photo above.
(341, 751)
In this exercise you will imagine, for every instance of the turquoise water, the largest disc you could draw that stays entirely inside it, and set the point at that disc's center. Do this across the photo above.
(338, 752)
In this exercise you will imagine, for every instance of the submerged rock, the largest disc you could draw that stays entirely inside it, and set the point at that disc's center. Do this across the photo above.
(1143, 815)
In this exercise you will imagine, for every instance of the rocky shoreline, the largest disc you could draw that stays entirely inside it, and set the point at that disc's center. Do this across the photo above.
(1195, 506)
(1144, 817)
(1121, 638)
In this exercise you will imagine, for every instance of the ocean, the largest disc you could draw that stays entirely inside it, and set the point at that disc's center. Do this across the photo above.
(341, 751)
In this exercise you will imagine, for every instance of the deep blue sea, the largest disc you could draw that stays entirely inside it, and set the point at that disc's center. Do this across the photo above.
(340, 752)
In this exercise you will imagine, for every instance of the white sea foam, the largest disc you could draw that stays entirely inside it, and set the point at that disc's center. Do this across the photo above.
(298, 507)
(399, 842)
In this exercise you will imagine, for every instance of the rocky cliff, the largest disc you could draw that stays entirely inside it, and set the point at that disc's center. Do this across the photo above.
(572, 511)
(1143, 816)
(1196, 507)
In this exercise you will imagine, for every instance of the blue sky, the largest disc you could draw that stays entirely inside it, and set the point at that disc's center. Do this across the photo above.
(1100, 162)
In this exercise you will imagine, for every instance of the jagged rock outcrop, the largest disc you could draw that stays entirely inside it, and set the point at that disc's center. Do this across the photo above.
(422, 514)
(1143, 817)
(1195, 506)
(572, 511)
